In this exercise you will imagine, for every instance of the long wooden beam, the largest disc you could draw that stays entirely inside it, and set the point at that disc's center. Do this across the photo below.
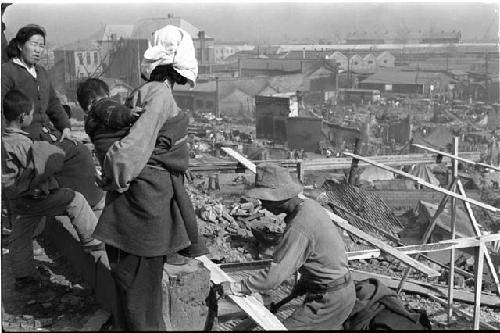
(426, 184)
(457, 243)
(359, 233)
(457, 158)
(478, 286)
(475, 225)
(323, 164)
(256, 310)
(243, 160)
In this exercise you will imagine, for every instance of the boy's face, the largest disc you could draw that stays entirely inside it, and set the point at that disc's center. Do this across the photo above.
(27, 118)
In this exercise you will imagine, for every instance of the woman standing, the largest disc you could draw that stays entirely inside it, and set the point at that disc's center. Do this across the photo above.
(50, 122)
(148, 217)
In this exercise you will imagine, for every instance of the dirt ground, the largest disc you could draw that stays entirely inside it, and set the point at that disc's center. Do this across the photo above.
(63, 303)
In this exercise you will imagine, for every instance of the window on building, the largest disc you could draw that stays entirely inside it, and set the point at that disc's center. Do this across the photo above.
(370, 61)
(199, 103)
(81, 75)
(209, 104)
(96, 57)
(88, 58)
(385, 61)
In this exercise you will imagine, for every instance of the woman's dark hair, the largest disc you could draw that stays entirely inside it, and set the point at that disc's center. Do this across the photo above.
(23, 35)
(163, 72)
(16, 104)
(88, 90)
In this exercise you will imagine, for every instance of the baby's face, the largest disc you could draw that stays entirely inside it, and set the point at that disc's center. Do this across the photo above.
(170, 47)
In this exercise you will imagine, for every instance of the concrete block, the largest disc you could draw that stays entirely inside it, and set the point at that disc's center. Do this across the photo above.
(185, 292)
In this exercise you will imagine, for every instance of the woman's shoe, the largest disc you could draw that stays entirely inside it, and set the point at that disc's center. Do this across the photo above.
(176, 259)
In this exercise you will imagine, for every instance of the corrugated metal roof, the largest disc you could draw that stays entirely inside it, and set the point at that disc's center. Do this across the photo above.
(397, 77)
(342, 198)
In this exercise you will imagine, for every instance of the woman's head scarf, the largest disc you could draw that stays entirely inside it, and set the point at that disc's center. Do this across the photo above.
(171, 45)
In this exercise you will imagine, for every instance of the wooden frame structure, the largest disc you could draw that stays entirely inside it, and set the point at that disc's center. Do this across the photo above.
(402, 252)
(482, 251)
(322, 164)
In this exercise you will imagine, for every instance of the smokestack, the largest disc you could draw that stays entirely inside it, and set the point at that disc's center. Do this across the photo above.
(201, 37)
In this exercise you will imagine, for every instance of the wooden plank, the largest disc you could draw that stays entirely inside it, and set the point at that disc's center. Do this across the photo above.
(359, 233)
(425, 288)
(255, 310)
(453, 207)
(322, 164)
(426, 184)
(243, 160)
(475, 225)
(458, 243)
(457, 157)
(478, 286)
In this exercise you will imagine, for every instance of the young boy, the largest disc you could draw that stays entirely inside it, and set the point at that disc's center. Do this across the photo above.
(28, 182)
(107, 120)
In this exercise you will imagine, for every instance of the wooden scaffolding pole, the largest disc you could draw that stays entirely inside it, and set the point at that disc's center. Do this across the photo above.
(424, 183)
(453, 206)
(478, 286)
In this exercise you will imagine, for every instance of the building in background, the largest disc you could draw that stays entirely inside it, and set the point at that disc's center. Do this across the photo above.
(442, 37)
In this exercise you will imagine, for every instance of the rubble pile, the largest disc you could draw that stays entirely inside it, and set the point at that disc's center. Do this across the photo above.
(229, 228)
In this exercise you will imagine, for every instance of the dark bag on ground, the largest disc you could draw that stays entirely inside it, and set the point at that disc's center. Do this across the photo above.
(380, 308)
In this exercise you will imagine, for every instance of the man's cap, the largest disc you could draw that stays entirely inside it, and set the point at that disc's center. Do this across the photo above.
(274, 183)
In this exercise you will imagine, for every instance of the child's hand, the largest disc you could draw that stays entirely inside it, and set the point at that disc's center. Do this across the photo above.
(101, 180)
(136, 111)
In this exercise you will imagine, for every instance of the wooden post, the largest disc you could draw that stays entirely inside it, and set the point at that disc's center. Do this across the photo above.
(478, 286)
(355, 162)
(453, 206)
(300, 170)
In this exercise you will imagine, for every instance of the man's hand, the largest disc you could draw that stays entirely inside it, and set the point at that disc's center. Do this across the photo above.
(66, 134)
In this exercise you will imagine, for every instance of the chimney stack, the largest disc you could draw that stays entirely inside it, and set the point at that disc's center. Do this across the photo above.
(201, 37)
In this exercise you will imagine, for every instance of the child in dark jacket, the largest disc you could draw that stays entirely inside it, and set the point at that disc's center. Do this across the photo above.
(106, 120)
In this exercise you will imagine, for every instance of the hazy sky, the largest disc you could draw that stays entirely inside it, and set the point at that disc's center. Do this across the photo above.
(267, 22)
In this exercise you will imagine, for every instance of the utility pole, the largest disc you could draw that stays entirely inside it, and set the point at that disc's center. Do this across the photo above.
(217, 107)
